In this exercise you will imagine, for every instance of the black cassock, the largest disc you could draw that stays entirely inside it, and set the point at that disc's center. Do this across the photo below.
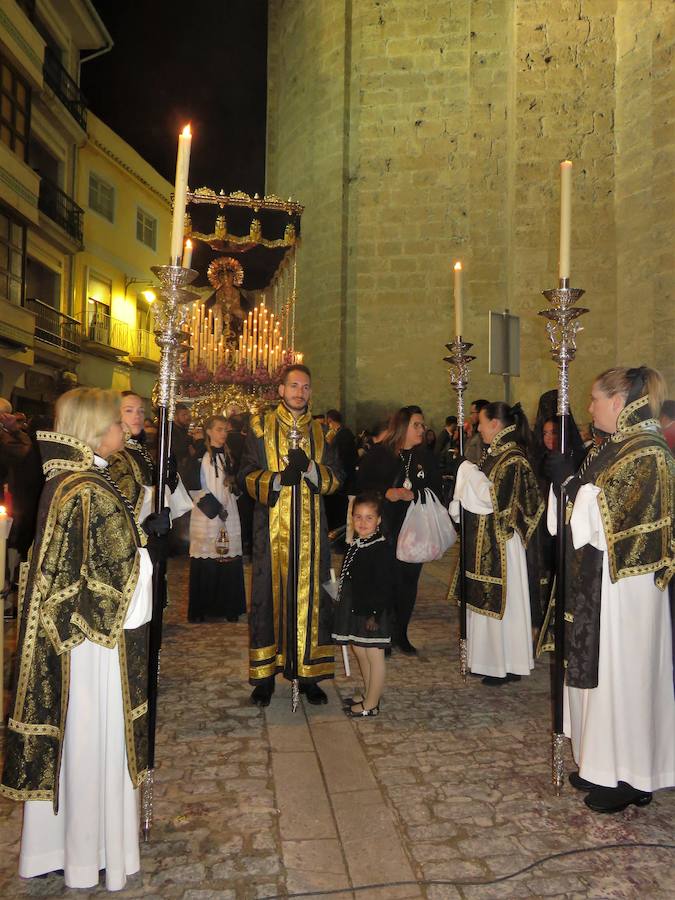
(274, 596)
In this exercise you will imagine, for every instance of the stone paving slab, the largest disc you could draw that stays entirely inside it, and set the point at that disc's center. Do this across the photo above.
(450, 784)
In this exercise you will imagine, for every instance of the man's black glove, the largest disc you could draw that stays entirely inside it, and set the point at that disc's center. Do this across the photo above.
(210, 506)
(172, 473)
(290, 476)
(557, 468)
(298, 459)
(452, 464)
(158, 524)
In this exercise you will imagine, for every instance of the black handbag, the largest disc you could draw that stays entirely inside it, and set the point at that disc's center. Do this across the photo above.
(210, 506)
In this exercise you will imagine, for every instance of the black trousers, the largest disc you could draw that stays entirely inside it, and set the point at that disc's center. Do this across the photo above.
(405, 594)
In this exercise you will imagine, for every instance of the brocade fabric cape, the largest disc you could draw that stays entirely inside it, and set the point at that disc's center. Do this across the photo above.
(263, 458)
(634, 470)
(77, 584)
(518, 507)
(131, 468)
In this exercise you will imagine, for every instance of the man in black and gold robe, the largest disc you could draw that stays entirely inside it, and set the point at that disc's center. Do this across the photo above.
(289, 611)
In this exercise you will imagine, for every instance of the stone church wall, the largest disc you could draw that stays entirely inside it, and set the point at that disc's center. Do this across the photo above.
(420, 131)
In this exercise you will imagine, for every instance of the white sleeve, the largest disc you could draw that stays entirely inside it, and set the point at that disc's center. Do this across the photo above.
(586, 522)
(472, 490)
(311, 474)
(140, 606)
(552, 512)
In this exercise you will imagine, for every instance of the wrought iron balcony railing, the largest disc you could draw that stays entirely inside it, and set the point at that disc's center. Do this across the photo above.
(146, 345)
(54, 327)
(101, 328)
(65, 88)
(61, 208)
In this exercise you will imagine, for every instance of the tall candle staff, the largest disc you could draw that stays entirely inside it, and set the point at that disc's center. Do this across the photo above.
(562, 329)
(459, 360)
(171, 315)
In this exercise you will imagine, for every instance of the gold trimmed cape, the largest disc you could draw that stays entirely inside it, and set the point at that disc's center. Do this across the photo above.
(81, 575)
(264, 457)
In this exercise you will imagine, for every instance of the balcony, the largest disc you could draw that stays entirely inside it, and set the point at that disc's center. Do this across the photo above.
(105, 336)
(65, 88)
(145, 353)
(60, 332)
(61, 208)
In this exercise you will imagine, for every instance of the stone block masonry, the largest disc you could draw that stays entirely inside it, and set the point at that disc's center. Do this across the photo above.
(421, 131)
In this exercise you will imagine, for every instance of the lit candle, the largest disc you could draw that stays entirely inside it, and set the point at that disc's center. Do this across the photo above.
(5, 525)
(459, 313)
(179, 195)
(565, 218)
(187, 254)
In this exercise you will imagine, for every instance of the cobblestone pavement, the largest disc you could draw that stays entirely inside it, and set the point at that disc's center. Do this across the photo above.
(449, 784)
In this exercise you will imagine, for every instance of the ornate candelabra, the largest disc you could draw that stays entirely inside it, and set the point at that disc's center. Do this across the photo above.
(562, 329)
(459, 360)
(170, 334)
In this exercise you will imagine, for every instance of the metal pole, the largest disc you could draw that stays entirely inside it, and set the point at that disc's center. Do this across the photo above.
(562, 329)
(171, 315)
(459, 360)
(294, 438)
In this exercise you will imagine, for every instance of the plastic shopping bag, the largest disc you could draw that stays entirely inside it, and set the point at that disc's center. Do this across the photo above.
(427, 530)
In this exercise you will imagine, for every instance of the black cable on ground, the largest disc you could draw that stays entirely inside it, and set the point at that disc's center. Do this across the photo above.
(472, 883)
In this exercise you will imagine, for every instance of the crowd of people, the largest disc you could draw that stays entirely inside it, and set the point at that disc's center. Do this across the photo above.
(290, 491)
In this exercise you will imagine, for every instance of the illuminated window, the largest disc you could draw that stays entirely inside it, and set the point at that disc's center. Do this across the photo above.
(101, 197)
(146, 229)
(14, 110)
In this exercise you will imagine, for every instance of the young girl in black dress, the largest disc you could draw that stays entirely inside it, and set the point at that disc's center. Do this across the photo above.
(364, 601)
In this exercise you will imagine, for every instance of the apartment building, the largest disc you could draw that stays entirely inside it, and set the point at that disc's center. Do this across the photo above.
(82, 217)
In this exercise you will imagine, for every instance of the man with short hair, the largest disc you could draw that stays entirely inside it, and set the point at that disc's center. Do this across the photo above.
(343, 442)
(473, 449)
(289, 607)
(447, 436)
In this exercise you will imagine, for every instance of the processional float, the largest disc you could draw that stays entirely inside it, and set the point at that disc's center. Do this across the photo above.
(562, 329)
(212, 361)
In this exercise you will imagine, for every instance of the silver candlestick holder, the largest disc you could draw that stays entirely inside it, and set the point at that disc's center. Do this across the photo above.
(459, 361)
(170, 321)
(562, 329)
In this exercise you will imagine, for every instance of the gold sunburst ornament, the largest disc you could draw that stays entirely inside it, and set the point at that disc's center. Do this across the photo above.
(218, 269)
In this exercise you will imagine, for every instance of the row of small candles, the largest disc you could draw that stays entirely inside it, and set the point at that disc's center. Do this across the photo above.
(260, 345)
(564, 252)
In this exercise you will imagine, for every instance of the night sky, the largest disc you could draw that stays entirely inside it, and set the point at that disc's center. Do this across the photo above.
(203, 62)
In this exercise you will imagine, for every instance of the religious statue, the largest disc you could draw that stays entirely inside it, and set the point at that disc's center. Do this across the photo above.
(226, 274)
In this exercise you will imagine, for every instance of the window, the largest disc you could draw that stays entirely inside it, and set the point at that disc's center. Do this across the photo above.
(99, 293)
(146, 229)
(101, 197)
(12, 243)
(14, 110)
(42, 283)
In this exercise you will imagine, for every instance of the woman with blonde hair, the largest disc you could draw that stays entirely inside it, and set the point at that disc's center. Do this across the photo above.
(216, 565)
(618, 700)
(77, 736)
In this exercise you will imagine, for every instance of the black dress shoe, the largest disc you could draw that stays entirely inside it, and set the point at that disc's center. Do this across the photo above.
(610, 800)
(262, 693)
(314, 694)
(405, 646)
(492, 681)
(580, 783)
(511, 677)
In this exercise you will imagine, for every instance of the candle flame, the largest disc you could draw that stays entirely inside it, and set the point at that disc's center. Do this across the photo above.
(188, 244)
(186, 132)
(566, 163)
(3, 511)
(458, 266)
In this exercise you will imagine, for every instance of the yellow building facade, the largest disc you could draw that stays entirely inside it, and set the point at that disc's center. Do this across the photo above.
(127, 225)
(82, 218)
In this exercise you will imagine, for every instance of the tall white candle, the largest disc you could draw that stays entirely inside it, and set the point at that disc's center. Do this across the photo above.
(459, 312)
(179, 195)
(565, 218)
(187, 254)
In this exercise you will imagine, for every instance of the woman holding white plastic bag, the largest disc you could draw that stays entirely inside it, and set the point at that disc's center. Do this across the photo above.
(503, 509)
(216, 565)
(399, 468)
